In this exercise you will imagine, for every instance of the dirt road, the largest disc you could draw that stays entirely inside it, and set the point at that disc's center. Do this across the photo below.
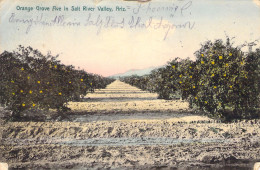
(122, 127)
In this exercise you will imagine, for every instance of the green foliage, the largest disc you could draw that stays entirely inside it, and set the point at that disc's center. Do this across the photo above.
(32, 80)
(223, 81)
(228, 82)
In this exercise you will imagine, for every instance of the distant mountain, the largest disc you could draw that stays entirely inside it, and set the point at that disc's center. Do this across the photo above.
(139, 72)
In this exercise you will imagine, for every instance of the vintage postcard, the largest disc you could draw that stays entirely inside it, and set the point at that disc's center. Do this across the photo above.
(130, 84)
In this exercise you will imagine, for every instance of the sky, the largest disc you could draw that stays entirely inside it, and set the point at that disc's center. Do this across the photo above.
(126, 43)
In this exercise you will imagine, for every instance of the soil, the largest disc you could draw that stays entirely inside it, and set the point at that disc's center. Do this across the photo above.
(122, 127)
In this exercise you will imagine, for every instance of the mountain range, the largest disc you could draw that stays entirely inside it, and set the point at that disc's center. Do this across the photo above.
(138, 72)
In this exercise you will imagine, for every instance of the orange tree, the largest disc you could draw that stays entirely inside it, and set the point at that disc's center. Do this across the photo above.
(30, 79)
(223, 81)
(182, 76)
(159, 81)
(169, 82)
(226, 88)
(168, 79)
(251, 93)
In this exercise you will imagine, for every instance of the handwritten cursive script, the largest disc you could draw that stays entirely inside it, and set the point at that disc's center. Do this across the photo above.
(101, 22)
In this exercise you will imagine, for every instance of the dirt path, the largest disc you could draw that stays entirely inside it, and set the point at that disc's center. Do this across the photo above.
(119, 97)
(122, 127)
(120, 101)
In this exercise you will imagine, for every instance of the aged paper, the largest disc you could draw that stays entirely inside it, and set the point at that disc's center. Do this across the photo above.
(117, 102)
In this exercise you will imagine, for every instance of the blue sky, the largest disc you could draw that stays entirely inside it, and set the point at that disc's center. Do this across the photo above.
(116, 50)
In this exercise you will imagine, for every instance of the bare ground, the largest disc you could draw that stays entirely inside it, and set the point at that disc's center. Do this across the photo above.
(122, 127)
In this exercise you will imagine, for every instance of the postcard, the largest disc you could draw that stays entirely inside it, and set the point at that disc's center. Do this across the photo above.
(129, 84)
